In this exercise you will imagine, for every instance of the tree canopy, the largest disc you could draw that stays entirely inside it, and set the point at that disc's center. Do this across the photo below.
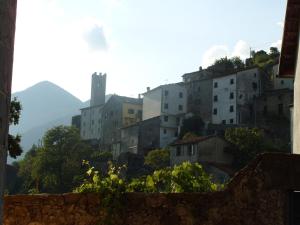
(14, 148)
(157, 159)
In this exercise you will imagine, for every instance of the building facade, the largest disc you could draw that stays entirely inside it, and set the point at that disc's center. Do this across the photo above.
(209, 151)
(169, 103)
(198, 85)
(118, 112)
(290, 64)
(281, 82)
(233, 96)
(91, 117)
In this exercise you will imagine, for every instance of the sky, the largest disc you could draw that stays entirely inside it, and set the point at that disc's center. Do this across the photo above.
(137, 43)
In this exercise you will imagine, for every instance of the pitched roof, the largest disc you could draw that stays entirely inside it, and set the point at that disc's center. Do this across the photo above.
(192, 140)
(290, 42)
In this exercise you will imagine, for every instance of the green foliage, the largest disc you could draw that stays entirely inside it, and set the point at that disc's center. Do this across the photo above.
(158, 158)
(247, 143)
(186, 177)
(193, 124)
(189, 135)
(14, 148)
(111, 187)
(55, 166)
(228, 64)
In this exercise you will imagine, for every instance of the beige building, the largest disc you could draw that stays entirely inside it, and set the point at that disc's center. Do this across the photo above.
(290, 63)
(209, 151)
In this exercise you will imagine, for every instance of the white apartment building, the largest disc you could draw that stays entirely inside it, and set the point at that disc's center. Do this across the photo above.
(233, 96)
(224, 100)
(169, 102)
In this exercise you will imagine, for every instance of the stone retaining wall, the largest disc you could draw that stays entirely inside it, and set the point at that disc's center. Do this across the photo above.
(258, 195)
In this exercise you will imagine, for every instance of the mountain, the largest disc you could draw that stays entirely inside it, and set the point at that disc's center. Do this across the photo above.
(44, 105)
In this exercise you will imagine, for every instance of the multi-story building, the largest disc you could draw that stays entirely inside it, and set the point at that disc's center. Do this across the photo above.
(91, 117)
(168, 102)
(281, 82)
(199, 93)
(233, 96)
(274, 103)
(118, 112)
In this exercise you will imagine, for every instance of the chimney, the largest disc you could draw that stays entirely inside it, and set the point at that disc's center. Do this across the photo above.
(139, 96)
(200, 68)
(148, 89)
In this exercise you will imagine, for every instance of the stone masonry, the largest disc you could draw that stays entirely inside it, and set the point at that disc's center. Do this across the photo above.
(258, 194)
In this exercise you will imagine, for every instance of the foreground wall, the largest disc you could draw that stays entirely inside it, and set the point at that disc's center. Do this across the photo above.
(258, 194)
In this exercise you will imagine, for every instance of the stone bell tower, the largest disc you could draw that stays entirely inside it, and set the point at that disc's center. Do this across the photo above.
(98, 89)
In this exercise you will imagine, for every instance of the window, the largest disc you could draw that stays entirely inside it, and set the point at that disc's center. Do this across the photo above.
(215, 98)
(231, 81)
(165, 131)
(180, 107)
(224, 122)
(199, 89)
(166, 118)
(166, 92)
(215, 84)
(254, 86)
(231, 95)
(191, 150)
(130, 111)
(177, 120)
(282, 82)
(178, 151)
(231, 121)
(254, 74)
(231, 108)
(280, 109)
(166, 106)
(215, 111)
(180, 95)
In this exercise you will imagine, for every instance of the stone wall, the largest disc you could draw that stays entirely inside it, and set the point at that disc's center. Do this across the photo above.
(258, 194)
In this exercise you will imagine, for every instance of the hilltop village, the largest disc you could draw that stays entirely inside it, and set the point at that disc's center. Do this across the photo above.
(190, 117)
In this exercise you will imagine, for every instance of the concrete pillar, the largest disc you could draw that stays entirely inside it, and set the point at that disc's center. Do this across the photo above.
(7, 35)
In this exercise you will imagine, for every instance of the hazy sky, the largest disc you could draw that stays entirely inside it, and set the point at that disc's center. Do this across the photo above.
(138, 43)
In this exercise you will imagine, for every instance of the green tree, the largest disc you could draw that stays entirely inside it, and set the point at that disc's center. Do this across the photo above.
(246, 144)
(157, 159)
(56, 167)
(14, 148)
(193, 124)
(237, 62)
(274, 52)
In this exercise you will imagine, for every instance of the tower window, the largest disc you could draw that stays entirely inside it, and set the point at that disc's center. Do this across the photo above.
(166, 118)
(180, 95)
(180, 107)
(215, 84)
(231, 95)
(166, 106)
(231, 108)
(231, 81)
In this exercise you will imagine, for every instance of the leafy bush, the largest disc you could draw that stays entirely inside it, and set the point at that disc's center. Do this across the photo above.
(186, 177)
(157, 159)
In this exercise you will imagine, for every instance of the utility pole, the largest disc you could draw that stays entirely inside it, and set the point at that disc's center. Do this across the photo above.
(8, 10)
